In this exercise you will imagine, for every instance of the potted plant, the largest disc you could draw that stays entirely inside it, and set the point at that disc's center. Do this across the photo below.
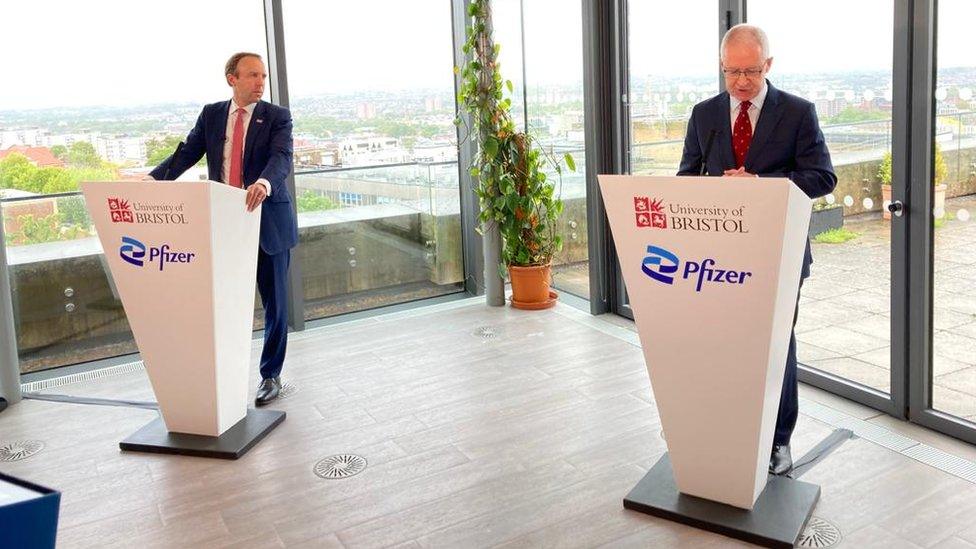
(941, 172)
(514, 193)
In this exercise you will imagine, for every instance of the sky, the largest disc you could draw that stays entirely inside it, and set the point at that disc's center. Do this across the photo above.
(123, 55)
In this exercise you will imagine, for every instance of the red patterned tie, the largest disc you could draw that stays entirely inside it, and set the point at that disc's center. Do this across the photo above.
(237, 150)
(742, 134)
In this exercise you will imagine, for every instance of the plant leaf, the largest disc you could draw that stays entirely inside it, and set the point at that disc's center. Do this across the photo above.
(570, 163)
(491, 147)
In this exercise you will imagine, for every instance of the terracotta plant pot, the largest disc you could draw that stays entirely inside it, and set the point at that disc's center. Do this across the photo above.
(530, 287)
(885, 199)
(938, 199)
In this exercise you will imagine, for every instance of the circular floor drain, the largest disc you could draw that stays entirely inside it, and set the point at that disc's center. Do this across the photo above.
(288, 389)
(486, 332)
(819, 533)
(22, 449)
(340, 466)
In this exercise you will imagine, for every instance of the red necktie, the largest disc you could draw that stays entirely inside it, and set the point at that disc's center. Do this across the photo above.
(237, 150)
(742, 134)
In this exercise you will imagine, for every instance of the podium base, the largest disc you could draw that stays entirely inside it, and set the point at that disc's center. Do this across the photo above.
(234, 443)
(777, 519)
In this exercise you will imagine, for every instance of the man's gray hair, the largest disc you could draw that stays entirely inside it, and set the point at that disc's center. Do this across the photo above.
(231, 66)
(745, 32)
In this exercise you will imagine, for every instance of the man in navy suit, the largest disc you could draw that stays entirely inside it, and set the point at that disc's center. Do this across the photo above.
(787, 142)
(248, 145)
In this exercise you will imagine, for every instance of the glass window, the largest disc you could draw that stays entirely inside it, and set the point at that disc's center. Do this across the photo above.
(667, 81)
(554, 85)
(844, 315)
(76, 115)
(954, 192)
(372, 95)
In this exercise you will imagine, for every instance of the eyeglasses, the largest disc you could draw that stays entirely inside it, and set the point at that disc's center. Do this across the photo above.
(736, 73)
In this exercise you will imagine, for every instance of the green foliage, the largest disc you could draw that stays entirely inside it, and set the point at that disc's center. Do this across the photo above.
(401, 128)
(73, 213)
(835, 236)
(884, 170)
(941, 170)
(61, 152)
(509, 180)
(309, 201)
(940, 222)
(82, 155)
(158, 150)
(37, 230)
(17, 172)
(853, 114)
(821, 205)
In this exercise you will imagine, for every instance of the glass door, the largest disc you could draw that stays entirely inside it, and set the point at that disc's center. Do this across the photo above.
(944, 369)
(845, 325)
(665, 82)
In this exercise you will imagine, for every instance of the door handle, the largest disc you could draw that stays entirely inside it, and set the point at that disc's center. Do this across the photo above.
(896, 207)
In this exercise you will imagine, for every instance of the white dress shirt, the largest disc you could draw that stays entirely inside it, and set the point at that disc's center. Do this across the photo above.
(755, 108)
(229, 143)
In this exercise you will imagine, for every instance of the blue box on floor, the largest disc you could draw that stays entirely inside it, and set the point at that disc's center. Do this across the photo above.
(28, 514)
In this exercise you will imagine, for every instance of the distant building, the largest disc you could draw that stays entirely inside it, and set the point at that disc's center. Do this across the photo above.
(42, 157)
(366, 150)
(365, 111)
(432, 104)
(121, 150)
(435, 151)
(32, 137)
(827, 108)
(315, 156)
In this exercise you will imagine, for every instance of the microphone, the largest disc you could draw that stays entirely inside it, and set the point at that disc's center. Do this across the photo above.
(176, 154)
(708, 149)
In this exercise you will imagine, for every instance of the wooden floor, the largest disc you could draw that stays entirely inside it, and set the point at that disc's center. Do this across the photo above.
(528, 436)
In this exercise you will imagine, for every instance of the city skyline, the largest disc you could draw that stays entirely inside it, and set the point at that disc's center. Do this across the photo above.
(398, 45)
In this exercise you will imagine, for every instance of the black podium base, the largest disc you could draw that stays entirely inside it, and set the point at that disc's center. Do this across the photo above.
(777, 520)
(234, 443)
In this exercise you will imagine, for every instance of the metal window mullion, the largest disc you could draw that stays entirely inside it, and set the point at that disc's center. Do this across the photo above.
(902, 122)
(920, 230)
(278, 73)
(472, 246)
(731, 13)
(604, 107)
(9, 364)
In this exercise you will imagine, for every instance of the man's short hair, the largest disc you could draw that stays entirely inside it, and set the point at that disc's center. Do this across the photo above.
(745, 32)
(231, 66)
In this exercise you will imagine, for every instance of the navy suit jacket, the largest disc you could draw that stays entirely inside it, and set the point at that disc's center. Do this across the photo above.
(786, 142)
(267, 154)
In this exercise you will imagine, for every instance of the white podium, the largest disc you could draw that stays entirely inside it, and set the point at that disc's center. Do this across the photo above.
(184, 257)
(712, 268)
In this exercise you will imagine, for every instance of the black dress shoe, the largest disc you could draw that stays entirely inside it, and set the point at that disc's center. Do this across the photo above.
(781, 462)
(267, 391)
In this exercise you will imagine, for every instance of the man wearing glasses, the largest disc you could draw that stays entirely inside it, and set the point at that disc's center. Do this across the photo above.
(756, 130)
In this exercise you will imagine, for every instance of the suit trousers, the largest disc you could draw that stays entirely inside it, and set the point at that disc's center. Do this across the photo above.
(789, 400)
(273, 287)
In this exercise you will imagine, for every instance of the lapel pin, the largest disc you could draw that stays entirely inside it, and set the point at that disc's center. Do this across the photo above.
(259, 120)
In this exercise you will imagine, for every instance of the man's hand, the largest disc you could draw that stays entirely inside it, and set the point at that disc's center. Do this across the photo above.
(741, 172)
(255, 196)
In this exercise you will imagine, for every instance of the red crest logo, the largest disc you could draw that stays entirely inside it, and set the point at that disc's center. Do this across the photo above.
(120, 210)
(650, 213)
